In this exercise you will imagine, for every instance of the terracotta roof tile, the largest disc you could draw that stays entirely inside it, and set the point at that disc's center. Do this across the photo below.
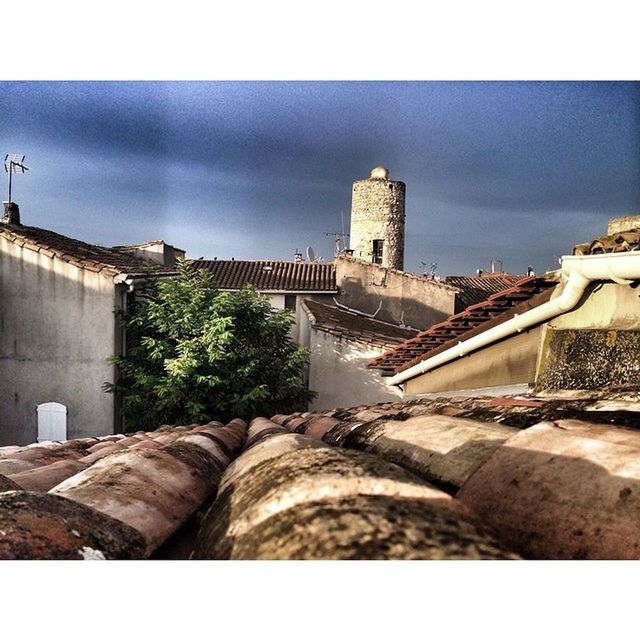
(272, 275)
(628, 240)
(475, 289)
(109, 261)
(388, 480)
(352, 326)
(461, 325)
(147, 492)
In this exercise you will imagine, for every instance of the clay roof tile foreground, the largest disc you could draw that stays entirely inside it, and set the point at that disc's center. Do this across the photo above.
(445, 478)
(272, 275)
(498, 307)
(136, 496)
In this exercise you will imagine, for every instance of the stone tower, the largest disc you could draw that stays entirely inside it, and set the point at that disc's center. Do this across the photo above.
(377, 219)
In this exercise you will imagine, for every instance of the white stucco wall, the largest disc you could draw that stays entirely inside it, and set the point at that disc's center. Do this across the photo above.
(298, 335)
(57, 328)
(338, 373)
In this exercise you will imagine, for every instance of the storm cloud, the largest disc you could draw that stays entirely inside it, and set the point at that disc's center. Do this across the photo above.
(515, 171)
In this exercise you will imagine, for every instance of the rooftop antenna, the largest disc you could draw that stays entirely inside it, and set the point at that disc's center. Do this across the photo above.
(14, 163)
(432, 274)
(311, 254)
(339, 238)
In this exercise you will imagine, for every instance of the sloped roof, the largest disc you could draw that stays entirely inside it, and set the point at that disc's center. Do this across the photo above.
(312, 484)
(111, 497)
(620, 241)
(461, 325)
(105, 260)
(475, 289)
(272, 275)
(355, 327)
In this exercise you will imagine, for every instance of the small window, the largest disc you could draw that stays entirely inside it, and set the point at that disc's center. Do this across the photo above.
(378, 246)
(290, 302)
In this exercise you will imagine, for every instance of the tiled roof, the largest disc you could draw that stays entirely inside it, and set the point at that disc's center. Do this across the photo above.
(620, 241)
(105, 260)
(463, 325)
(457, 478)
(272, 275)
(355, 327)
(500, 458)
(474, 289)
(112, 497)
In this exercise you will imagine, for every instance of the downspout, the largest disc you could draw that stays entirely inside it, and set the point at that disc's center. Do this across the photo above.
(579, 271)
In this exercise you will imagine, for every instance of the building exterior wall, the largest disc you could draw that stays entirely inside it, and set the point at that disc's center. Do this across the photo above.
(156, 251)
(57, 329)
(606, 306)
(338, 373)
(378, 212)
(278, 301)
(595, 346)
(511, 361)
(405, 297)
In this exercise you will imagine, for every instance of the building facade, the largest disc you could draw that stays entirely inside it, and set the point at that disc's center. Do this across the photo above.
(58, 329)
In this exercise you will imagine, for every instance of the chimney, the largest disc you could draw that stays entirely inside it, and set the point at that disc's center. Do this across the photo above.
(11, 213)
(624, 223)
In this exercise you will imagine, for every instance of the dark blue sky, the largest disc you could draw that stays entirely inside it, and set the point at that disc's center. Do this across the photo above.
(514, 171)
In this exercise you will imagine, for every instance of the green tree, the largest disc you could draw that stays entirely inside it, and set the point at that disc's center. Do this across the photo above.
(196, 354)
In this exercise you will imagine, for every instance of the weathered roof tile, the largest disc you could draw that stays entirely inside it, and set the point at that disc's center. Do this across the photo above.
(462, 325)
(475, 289)
(352, 326)
(272, 275)
(110, 261)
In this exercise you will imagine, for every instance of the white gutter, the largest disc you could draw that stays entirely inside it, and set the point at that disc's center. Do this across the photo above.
(578, 271)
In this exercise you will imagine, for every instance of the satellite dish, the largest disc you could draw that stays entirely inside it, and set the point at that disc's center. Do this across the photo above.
(311, 254)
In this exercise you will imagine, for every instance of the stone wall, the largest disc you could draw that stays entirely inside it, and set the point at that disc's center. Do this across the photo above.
(377, 212)
(591, 359)
(595, 346)
(397, 296)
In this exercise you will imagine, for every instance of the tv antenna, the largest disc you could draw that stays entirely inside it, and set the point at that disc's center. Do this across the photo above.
(14, 163)
(339, 238)
(432, 274)
(311, 254)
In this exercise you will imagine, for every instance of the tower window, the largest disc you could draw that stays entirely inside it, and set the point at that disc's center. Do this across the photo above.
(378, 246)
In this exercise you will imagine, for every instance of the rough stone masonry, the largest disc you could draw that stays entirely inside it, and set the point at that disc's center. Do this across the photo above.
(377, 213)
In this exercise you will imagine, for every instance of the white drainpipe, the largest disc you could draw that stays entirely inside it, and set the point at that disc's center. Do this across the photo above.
(579, 271)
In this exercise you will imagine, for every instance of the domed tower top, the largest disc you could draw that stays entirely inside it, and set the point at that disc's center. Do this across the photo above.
(377, 219)
(380, 173)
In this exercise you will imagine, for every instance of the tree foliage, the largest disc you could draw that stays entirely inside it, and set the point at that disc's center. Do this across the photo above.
(196, 354)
